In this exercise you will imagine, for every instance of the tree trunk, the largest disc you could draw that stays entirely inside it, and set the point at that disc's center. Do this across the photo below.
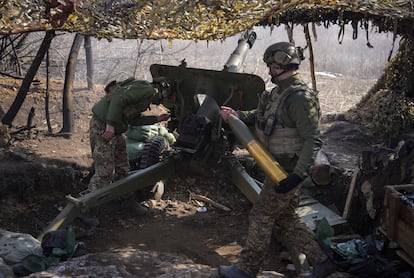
(67, 101)
(24, 88)
(47, 114)
(89, 62)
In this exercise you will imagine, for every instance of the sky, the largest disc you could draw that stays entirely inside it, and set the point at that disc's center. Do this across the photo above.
(120, 59)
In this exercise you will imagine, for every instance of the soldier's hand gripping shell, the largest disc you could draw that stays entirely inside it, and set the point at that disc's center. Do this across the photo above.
(225, 111)
(288, 183)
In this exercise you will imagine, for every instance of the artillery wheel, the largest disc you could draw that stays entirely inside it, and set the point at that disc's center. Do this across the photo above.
(152, 154)
(152, 151)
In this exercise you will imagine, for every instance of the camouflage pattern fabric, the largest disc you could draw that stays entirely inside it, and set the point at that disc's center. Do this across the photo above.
(273, 210)
(294, 107)
(110, 158)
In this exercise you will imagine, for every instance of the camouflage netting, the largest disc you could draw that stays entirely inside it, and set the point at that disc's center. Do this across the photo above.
(194, 20)
(387, 109)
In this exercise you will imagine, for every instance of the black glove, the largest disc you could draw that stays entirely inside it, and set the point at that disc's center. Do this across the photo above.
(288, 184)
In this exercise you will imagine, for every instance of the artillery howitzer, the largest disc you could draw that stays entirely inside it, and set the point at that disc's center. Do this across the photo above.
(198, 94)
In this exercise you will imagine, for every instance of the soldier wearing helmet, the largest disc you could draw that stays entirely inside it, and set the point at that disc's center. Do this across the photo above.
(123, 105)
(283, 55)
(287, 124)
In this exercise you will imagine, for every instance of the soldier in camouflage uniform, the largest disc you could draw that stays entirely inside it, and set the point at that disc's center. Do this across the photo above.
(122, 105)
(287, 124)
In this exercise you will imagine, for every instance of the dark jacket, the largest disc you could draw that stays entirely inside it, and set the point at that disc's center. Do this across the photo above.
(125, 106)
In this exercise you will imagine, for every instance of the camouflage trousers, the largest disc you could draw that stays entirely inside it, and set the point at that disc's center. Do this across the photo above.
(110, 158)
(274, 211)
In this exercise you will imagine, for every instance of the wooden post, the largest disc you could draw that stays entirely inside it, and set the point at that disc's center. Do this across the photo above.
(311, 58)
(350, 193)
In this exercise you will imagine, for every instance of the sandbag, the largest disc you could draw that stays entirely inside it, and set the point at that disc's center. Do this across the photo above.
(14, 247)
(142, 133)
(134, 149)
(146, 132)
(166, 134)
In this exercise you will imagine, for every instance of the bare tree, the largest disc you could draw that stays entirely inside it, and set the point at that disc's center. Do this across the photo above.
(67, 100)
(9, 46)
(89, 62)
(21, 95)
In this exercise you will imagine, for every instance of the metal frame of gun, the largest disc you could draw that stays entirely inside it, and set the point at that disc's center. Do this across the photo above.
(135, 181)
(200, 132)
(219, 87)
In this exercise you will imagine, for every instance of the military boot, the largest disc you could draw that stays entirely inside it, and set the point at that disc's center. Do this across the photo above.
(90, 217)
(131, 206)
(323, 269)
(121, 172)
(232, 271)
(88, 221)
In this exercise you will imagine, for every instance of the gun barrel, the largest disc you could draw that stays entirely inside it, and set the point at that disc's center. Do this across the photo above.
(236, 59)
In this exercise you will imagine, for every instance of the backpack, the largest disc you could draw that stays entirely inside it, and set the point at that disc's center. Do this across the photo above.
(366, 261)
(113, 87)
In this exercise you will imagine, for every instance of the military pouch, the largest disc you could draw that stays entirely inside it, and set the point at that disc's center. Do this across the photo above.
(269, 125)
(113, 87)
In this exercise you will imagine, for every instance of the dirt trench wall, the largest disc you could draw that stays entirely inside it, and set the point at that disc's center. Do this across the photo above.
(23, 178)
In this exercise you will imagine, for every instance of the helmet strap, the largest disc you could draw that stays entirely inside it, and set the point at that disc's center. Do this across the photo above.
(283, 72)
(275, 76)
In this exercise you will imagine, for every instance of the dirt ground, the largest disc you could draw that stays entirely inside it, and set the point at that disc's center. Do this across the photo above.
(175, 239)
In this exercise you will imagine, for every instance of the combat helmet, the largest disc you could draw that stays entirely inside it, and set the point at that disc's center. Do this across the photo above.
(284, 54)
(163, 92)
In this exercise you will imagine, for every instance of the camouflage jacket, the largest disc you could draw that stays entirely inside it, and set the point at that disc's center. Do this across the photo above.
(125, 106)
(298, 110)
